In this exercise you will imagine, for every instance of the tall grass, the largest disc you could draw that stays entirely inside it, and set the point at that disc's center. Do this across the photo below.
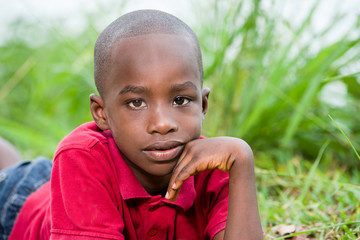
(267, 81)
(269, 86)
(44, 85)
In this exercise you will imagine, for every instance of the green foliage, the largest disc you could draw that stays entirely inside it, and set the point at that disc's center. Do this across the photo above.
(44, 86)
(267, 81)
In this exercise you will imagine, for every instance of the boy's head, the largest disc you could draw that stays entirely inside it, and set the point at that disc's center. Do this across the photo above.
(149, 75)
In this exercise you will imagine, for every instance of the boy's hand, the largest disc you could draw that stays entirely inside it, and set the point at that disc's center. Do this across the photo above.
(208, 153)
(226, 154)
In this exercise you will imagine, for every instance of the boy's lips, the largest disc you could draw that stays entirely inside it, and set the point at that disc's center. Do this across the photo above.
(164, 151)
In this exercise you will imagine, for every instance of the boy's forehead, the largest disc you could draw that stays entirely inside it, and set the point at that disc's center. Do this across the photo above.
(131, 43)
(135, 54)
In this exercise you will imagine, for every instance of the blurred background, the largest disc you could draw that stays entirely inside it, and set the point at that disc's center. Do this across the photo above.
(284, 75)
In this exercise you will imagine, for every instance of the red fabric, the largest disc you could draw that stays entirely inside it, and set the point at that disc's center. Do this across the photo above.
(95, 195)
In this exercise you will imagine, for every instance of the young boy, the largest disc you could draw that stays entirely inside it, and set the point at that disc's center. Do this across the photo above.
(141, 169)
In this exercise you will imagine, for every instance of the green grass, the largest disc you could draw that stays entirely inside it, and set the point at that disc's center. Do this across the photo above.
(267, 86)
(352, 146)
(270, 87)
(323, 202)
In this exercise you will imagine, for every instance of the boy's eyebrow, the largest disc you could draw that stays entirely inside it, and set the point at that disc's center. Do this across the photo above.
(174, 88)
(132, 89)
(183, 86)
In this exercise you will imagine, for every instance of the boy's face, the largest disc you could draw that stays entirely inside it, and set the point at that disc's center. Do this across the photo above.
(153, 102)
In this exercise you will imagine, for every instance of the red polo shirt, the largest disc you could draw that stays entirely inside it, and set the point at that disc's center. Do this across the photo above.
(95, 195)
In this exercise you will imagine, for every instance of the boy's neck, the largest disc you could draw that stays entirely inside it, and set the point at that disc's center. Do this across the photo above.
(154, 185)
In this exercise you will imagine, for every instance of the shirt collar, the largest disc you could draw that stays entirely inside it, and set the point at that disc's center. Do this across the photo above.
(130, 187)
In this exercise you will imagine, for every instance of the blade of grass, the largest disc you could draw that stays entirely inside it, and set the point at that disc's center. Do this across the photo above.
(17, 77)
(309, 178)
(352, 146)
(329, 79)
(314, 73)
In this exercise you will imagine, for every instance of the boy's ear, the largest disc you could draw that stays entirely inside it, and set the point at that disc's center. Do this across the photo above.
(98, 112)
(205, 100)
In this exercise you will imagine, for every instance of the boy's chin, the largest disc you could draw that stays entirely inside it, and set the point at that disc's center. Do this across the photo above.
(163, 172)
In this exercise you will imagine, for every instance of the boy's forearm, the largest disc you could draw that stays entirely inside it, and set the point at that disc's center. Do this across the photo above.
(243, 220)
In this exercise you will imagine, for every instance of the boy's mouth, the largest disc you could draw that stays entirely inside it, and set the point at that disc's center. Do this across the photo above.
(164, 151)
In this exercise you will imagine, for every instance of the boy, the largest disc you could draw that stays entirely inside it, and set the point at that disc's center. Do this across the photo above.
(141, 169)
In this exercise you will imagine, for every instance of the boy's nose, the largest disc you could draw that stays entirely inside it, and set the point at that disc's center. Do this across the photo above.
(162, 121)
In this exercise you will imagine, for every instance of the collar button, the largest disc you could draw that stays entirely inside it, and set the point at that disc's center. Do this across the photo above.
(152, 232)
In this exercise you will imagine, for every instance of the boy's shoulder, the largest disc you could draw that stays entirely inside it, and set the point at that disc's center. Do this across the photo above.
(84, 137)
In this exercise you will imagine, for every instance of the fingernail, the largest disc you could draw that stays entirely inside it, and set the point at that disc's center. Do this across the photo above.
(173, 186)
(167, 195)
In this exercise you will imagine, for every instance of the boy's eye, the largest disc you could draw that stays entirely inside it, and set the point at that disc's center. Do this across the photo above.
(181, 101)
(137, 104)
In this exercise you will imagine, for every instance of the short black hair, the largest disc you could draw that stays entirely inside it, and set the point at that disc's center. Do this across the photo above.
(137, 23)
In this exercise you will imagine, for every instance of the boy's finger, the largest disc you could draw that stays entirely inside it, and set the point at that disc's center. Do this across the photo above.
(191, 168)
(174, 189)
(195, 166)
(173, 194)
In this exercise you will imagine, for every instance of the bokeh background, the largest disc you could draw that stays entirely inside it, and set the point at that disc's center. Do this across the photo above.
(284, 75)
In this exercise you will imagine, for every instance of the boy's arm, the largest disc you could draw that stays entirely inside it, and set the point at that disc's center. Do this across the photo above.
(226, 154)
(83, 201)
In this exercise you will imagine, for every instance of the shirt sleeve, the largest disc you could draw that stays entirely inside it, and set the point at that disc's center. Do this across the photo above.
(84, 195)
